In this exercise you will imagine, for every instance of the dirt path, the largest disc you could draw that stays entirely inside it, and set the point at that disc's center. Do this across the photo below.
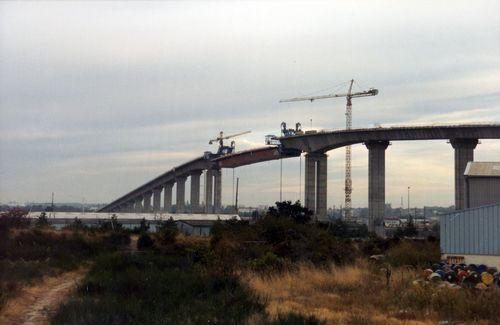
(33, 305)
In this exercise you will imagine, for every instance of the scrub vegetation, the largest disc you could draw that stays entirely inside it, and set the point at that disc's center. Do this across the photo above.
(280, 269)
(361, 294)
(30, 251)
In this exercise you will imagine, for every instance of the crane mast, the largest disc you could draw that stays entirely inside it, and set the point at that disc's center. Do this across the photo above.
(348, 124)
(348, 180)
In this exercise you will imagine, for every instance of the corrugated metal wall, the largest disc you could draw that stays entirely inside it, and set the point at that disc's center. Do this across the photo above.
(482, 191)
(474, 231)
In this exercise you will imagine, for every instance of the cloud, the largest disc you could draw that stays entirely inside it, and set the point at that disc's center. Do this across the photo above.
(97, 98)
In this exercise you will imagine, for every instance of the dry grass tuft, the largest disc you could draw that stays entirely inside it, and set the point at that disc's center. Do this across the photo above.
(192, 240)
(333, 294)
(358, 294)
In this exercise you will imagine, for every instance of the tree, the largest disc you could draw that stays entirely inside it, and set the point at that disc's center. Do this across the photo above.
(167, 231)
(42, 221)
(407, 231)
(343, 229)
(295, 211)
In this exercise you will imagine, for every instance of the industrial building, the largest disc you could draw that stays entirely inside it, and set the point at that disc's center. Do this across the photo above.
(195, 227)
(472, 236)
(482, 183)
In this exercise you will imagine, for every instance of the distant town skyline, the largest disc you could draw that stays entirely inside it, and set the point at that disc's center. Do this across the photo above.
(97, 98)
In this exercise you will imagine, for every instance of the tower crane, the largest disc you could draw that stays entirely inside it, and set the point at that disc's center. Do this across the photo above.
(225, 150)
(348, 114)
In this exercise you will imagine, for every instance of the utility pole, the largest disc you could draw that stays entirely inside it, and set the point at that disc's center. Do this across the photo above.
(349, 96)
(281, 180)
(236, 200)
(408, 201)
(300, 178)
(52, 205)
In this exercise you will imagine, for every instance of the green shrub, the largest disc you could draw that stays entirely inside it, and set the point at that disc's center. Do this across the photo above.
(343, 229)
(236, 242)
(13, 218)
(415, 253)
(167, 231)
(42, 221)
(295, 212)
(151, 288)
(145, 241)
(78, 225)
(265, 263)
(143, 227)
(116, 239)
(111, 225)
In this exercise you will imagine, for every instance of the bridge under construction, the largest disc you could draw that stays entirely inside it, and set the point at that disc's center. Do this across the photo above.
(147, 198)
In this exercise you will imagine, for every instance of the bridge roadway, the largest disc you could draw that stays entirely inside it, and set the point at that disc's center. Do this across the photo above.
(139, 200)
(463, 139)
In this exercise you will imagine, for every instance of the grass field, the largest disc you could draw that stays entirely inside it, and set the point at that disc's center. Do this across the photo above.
(276, 271)
(359, 293)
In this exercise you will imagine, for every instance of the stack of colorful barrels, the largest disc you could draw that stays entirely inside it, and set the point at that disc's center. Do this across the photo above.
(462, 275)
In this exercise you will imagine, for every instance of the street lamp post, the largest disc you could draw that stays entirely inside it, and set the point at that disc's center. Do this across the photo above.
(408, 201)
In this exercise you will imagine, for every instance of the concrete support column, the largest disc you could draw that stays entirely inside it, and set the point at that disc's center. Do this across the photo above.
(209, 190)
(147, 202)
(316, 185)
(138, 206)
(217, 190)
(195, 192)
(376, 185)
(321, 187)
(129, 206)
(180, 195)
(167, 197)
(157, 199)
(464, 152)
(310, 183)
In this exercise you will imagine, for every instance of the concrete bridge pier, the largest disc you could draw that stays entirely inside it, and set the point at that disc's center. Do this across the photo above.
(157, 199)
(316, 184)
(217, 190)
(138, 205)
(209, 176)
(147, 202)
(376, 185)
(180, 195)
(167, 197)
(464, 152)
(195, 191)
(129, 206)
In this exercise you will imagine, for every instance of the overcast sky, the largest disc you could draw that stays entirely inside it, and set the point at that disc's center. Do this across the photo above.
(97, 98)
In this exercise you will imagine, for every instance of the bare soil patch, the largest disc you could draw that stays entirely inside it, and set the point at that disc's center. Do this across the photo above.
(35, 304)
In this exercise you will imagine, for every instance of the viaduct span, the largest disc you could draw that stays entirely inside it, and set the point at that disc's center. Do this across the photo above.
(463, 139)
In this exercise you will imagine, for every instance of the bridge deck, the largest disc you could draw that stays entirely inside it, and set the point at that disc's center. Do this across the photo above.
(324, 141)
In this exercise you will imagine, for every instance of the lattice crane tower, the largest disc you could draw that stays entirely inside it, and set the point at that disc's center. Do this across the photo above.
(348, 117)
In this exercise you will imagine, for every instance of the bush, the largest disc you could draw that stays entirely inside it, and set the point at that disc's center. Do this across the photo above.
(265, 263)
(42, 221)
(60, 249)
(342, 229)
(143, 227)
(414, 253)
(295, 211)
(151, 288)
(116, 239)
(167, 231)
(111, 225)
(77, 225)
(236, 242)
(14, 218)
(145, 241)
